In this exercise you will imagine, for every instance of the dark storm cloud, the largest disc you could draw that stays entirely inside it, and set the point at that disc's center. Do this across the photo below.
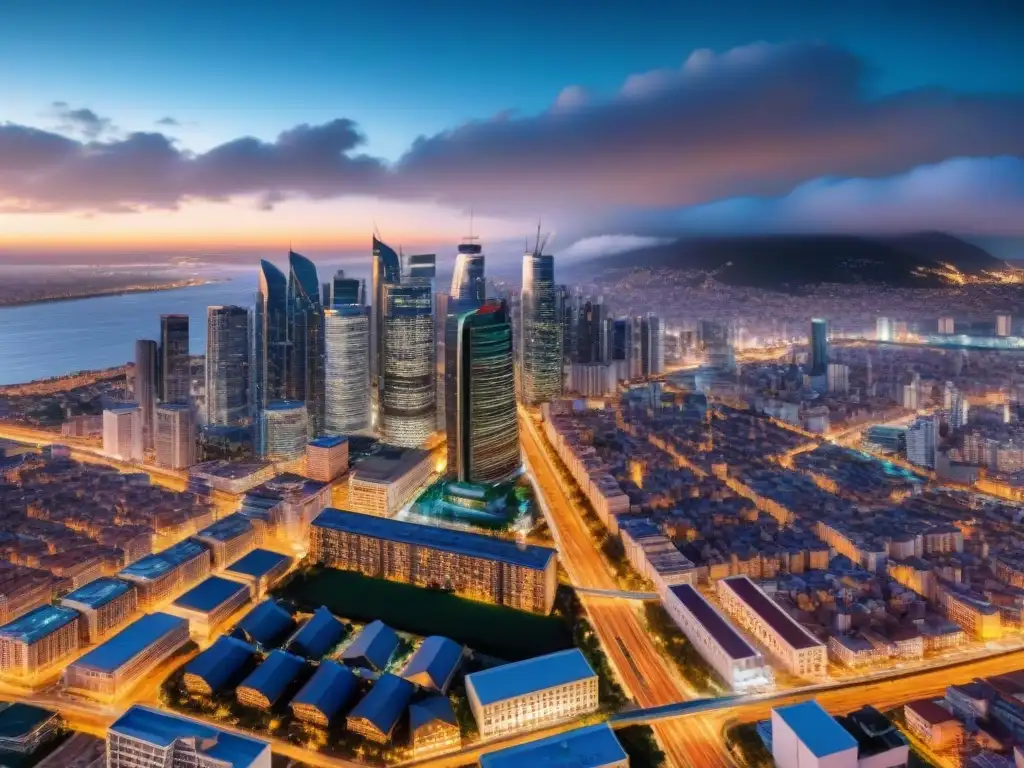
(758, 120)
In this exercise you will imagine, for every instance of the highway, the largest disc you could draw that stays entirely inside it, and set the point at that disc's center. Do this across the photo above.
(642, 671)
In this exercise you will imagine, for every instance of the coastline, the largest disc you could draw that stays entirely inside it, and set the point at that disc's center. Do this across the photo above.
(173, 286)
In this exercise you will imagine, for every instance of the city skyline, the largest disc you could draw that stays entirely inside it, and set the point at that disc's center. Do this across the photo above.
(819, 112)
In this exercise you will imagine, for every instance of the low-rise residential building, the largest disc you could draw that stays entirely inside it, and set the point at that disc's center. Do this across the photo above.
(978, 617)
(210, 603)
(165, 573)
(228, 539)
(433, 727)
(378, 712)
(384, 483)
(532, 694)
(935, 725)
(38, 641)
(654, 556)
(104, 604)
(328, 691)
(212, 670)
(260, 570)
(269, 680)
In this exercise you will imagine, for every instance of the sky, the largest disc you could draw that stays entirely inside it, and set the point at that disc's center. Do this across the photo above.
(242, 127)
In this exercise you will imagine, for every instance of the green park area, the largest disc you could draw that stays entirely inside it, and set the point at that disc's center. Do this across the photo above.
(494, 630)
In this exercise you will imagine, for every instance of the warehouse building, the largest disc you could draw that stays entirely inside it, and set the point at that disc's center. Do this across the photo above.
(104, 604)
(470, 564)
(38, 640)
(594, 746)
(260, 570)
(719, 643)
(378, 712)
(265, 626)
(113, 668)
(434, 664)
(433, 727)
(210, 603)
(164, 574)
(331, 688)
(800, 652)
(532, 694)
(318, 635)
(373, 648)
(228, 539)
(222, 663)
(269, 680)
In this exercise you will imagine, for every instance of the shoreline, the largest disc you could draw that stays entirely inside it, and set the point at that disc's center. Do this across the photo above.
(178, 285)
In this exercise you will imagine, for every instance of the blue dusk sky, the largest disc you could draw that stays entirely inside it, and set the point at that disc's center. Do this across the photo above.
(129, 127)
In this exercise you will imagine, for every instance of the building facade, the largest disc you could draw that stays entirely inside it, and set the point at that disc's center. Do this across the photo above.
(122, 432)
(175, 436)
(38, 641)
(306, 333)
(347, 386)
(175, 365)
(104, 605)
(386, 270)
(284, 428)
(145, 386)
(227, 365)
(271, 348)
(408, 396)
(541, 349)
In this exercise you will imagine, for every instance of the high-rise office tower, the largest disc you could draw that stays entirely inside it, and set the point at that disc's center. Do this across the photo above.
(305, 326)
(819, 347)
(270, 338)
(347, 385)
(591, 328)
(227, 365)
(652, 346)
(569, 308)
(408, 398)
(468, 283)
(346, 290)
(387, 270)
(422, 266)
(122, 432)
(145, 386)
(285, 431)
(483, 438)
(175, 366)
(175, 436)
(922, 437)
(541, 352)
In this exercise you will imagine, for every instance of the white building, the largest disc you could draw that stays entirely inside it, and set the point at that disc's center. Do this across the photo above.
(883, 329)
(150, 738)
(806, 736)
(347, 367)
(838, 378)
(921, 442)
(175, 436)
(592, 379)
(800, 652)
(122, 432)
(654, 556)
(384, 483)
(532, 694)
(1003, 325)
(720, 644)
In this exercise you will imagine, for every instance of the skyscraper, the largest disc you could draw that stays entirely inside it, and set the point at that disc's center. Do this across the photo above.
(422, 265)
(468, 283)
(270, 338)
(146, 385)
(652, 346)
(175, 436)
(819, 347)
(591, 327)
(306, 332)
(347, 385)
(408, 398)
(175, 366)
(570, 307)
(541, 351)
(483, 438)
(346, 290)
(387, 270)
(122, 432)
(285, 431)
(227, 365)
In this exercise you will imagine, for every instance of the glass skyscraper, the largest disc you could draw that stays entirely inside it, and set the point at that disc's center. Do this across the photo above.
(175, 366)
(387, 270)
(541, 351)
(145, 386)
(468, 278)
(422, 265)
(347, 385)
(483, 437)
(305, 327)
(819, 347)
(227, 365)
(284, 431)
(345, 291)
(408, 398)
(270, 338)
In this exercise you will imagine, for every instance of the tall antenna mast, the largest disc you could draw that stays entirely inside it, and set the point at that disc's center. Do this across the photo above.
(536, 249)
(471, 238)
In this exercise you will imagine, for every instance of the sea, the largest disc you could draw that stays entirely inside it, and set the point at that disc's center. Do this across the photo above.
(39, 341)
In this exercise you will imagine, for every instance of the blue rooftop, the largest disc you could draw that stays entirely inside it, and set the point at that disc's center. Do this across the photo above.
(162, 729)
(99, 591)
(265, 624)
(154, 566)
(209, 595)
(373, 647)
(38, 623)
(226, 528)
(588, 747)
(459, 542)
(130, 642)
(221, 661)
(272, 676)
(258, 563)
(529, 675)
(330, 441)
(385, 703)
(318, 635)
(285, 405)
(434, 663)
(431, 709)
(816, 728)
(330, 688)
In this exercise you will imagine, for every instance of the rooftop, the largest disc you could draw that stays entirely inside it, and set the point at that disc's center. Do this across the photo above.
(285, 405)
(226, 528)
(375, 645)
(272, 676)
(522, 677)
(432, 709)
(771, 613)
(331, 686)
(162, 729)
(589, 747)
(718, 626)
(229, 470)
(18, 720)
(317, 635)
(385, 703)
(130, 642)
(816, 728)
(388, 464)
(218, 663)
(330, 441)
(208, 595)
(257, 563)
(154, 566)
(434, 663)
(458, 542)
(99, 591)
(930, 712)
(265, 624)
(37, 624)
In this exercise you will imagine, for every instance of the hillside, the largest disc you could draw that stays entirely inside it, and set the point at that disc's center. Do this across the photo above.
(789, 262)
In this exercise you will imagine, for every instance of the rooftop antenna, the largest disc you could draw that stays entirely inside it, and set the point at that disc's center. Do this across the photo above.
(536, 249)
(470, 238)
